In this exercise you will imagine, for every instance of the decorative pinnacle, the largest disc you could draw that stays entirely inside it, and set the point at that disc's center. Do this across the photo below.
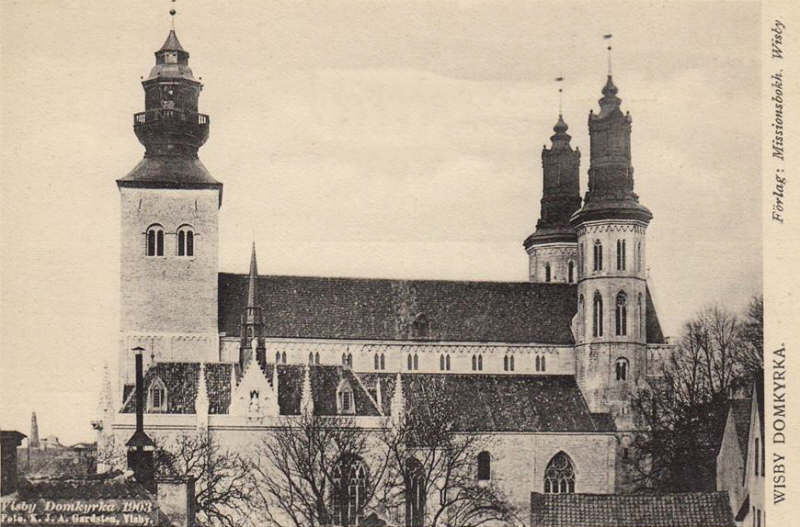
(172, 14)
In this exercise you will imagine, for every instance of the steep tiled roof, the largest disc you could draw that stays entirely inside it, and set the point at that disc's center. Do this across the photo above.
(169, 172)
(180, 379)
(697, 509)
(95, 488)
(382, 309)
(741, 418)
(351, 308)
(529, 403)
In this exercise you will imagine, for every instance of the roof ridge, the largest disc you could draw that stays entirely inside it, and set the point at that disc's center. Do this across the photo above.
(388, 279)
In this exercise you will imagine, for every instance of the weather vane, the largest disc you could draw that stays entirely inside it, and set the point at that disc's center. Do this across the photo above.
(608, 37)
(560, 90)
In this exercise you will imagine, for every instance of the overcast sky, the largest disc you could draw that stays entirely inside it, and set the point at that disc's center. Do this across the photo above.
(378, 139)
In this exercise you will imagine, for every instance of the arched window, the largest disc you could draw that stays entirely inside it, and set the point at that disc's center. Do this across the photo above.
(581, 259)
(416, 362)
(547, 272)
(622, 369)
(415, 493)
(597, 316)
(581, 318)
(283, 357)
(311, 357)
(447, 362)
(505, 363)
(640, 316)
(598, 255)
(480, 362)
(559, 477)
(571, 272)
(344, 398)
(511, 363)
(544, 366)
(185, 241)
(538, 363)
(383, 362)
(474, 363)
(278, 357)
(377, 362)
(349, 493)
(157, 396)
(410, 362)
(621, 314)
(484, 466)
(638, 256)
(155, 240)
(621, 255)
(316, 358)
(441, 362)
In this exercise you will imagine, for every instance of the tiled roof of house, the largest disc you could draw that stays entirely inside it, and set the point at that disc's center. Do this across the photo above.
(696, 509)
(180, 380)
(382, 309)
(486, 402)
(85, 488)
(741, 418)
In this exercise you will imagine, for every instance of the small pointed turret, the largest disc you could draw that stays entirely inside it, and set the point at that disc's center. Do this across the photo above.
(307, 397)
(201, 403)
(251, 284)
(397, 408)
(251, 331)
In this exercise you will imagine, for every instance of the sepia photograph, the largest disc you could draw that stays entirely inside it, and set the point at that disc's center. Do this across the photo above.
(406, 263)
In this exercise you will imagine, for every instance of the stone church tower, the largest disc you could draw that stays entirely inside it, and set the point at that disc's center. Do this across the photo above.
(612, 292)
(552, 248)
(169, 224)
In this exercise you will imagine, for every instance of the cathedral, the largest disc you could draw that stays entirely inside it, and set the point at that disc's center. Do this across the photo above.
(546, 367)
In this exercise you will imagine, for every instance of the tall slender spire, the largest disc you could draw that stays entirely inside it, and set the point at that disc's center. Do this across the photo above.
(251, 287)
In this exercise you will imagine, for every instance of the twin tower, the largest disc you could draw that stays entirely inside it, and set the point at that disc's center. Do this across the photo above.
(600, 245)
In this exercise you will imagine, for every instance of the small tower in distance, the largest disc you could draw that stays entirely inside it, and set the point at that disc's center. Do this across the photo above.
(552, 248)
(33, 440)
(251, 328)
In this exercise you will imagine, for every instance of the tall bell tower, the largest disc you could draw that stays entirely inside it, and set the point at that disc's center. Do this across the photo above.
(611, 331)
(169, 207)
(551, 248)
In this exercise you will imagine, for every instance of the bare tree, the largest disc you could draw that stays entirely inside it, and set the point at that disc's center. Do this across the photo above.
(751, 352)
(433, 472)
(684, 409)
(223, 480)
(318, 470)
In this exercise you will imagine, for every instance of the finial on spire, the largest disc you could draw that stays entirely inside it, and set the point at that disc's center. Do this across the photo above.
(172, 14)
(608, 37)
(251, 289)
(560, 90)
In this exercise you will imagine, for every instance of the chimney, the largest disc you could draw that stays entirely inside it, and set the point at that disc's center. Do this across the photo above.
(140, 446)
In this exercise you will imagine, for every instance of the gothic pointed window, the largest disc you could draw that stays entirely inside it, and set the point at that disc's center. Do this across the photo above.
(416, 362)
(344, 359)
(559, 476)
(311, 357)
(598, 255)
(344, 398)
(157, 396)
(621, 369)
(547, 272)
(316, 358)
(155, 240)
(447, 362)
(511, 362)
(484, 466)
(474, 363)
(441, 362)
(283, 357)
(638, 256)
(597, 315)
(480, 362)
(349, 492)
(410, 362)
(571, 272)
(377, 362)
(538, 363)
(621, 314)
(621, 255)
(505, 363)
(383, 362)
(415, 493)
(544, 366)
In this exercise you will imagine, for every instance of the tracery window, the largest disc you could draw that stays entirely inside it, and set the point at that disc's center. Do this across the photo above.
(621, 314)
(155, 240)
(559, 477)
(484, 466)
(415, 493)
(597, 315)
(598, 255)
(349, 493)
(620, 255)
(185, 241)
